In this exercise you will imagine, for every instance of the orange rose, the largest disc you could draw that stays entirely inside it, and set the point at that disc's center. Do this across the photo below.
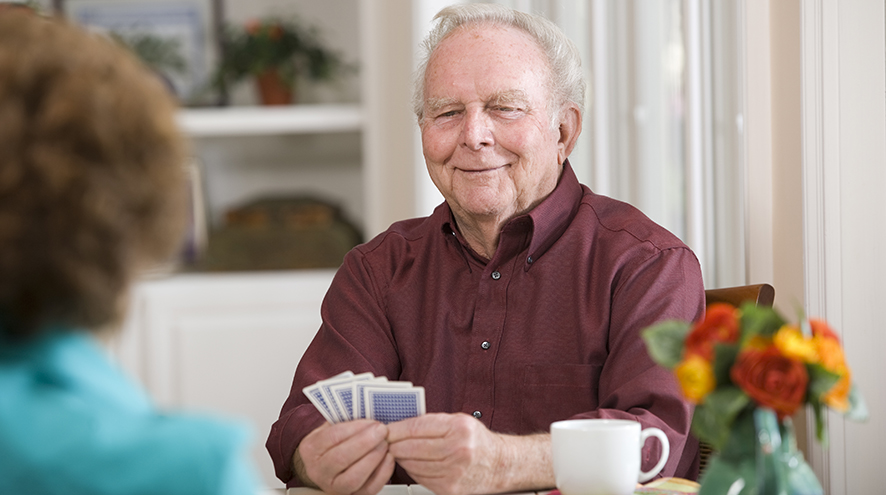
(696, 377)
(838, 396)
(771, 379)
(832, 359)
(720, 324)
(820, 328)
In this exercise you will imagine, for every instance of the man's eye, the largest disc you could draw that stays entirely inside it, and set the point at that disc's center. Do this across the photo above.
(450, 113)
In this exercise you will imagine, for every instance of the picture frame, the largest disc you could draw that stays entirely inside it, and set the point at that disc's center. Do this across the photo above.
(178, 39)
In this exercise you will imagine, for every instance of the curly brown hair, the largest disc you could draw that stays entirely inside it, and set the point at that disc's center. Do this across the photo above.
(92, 183)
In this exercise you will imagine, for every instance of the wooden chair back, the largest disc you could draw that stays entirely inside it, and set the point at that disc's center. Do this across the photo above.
(762, 295)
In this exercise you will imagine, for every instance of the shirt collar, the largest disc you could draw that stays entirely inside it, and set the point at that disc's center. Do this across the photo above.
(542, 226)
(552, 217)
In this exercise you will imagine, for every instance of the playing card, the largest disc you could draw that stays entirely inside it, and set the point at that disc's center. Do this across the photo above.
(337, 414)
(341, 393)
(387, 404)
(359, 403)
(315, 395)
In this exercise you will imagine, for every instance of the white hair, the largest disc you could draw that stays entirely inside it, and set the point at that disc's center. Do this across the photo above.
(564, 63)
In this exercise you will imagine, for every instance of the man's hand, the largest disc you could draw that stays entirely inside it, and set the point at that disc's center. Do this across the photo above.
(346, 458)
(454, 454)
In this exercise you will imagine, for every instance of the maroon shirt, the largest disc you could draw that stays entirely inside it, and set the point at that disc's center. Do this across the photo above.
(546, 330)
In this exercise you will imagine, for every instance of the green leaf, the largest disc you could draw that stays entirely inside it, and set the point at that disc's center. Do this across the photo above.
(712, 421)
(759, 320)
(724, 358)
(665, 342)
(858, 408)
(820, 427)
(820, 380)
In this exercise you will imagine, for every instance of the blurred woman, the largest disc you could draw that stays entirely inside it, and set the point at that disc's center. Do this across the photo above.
(92, 192)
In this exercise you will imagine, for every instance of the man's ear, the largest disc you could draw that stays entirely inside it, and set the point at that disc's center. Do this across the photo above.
(570, 128)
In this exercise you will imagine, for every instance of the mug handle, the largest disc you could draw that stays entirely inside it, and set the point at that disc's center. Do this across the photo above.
(665, 452)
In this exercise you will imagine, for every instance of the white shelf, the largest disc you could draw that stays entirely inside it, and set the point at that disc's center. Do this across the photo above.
(292, 119)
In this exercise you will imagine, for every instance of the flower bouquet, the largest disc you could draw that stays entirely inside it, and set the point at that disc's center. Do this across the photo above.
(747, 371)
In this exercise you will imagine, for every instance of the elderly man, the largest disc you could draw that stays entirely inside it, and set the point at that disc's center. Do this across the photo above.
(517, 303)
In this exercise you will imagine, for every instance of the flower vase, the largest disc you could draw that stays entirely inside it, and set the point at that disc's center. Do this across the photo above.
(760, 457)
(272, 89)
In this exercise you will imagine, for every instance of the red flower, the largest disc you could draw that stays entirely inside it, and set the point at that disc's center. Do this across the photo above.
(252, 26)
(771, 379)
(275, 31)
(720, 325)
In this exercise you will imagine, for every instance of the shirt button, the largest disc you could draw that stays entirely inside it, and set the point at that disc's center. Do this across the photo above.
(529, 260)
(485, 345)
(477, 414)
(496, 275)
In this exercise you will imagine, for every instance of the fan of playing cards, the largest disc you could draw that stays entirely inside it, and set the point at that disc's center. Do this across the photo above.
(347, 396)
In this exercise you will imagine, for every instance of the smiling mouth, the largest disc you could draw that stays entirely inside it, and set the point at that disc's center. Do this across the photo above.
(482, 170)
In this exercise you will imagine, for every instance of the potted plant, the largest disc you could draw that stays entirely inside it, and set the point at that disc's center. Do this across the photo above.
(275, 52)
(161, 55)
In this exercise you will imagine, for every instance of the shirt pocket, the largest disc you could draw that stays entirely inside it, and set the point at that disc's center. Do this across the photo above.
(552, 392)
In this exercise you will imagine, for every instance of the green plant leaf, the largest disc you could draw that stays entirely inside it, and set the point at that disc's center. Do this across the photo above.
(820, 427)
(724, 358)
(712, 421)
(820, 381)
(759, 320)
(858, 408)
(665, 342)
(289, 46)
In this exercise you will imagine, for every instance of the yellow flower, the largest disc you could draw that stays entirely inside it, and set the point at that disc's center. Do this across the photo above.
(791, 343)
(696, 378)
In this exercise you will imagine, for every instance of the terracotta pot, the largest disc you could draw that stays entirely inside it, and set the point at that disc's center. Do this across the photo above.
(272, 89)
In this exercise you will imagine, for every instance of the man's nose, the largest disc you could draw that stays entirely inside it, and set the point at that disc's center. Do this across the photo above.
(477, 130)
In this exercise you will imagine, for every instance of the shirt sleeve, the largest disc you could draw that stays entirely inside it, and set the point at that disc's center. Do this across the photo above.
(666, 286)
(355, 335)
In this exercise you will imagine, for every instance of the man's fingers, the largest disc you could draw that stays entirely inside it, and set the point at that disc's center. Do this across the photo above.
(427, 426)
(428, 449)
(380, 477)
(357, 474)
(343, 454)
(327, 435)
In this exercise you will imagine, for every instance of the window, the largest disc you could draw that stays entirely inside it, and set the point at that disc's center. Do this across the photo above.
(663, 126)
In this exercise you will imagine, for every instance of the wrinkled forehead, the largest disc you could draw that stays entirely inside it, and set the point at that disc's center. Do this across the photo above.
(480, 37)
(487, 51)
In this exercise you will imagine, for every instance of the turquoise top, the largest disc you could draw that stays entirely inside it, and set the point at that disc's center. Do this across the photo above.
(72, 423)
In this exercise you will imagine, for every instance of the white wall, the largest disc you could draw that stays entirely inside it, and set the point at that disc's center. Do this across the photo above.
(844, 55)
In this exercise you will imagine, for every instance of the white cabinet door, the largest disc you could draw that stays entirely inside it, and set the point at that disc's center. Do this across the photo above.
(225, 344)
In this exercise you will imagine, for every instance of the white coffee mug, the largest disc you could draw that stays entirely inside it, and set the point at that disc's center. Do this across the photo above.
(602, 456)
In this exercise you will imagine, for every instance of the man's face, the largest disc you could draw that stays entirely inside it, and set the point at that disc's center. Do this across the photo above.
(486, 134)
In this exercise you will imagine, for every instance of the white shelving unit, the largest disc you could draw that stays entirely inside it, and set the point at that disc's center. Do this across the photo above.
(254, 121)
(228, 343)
